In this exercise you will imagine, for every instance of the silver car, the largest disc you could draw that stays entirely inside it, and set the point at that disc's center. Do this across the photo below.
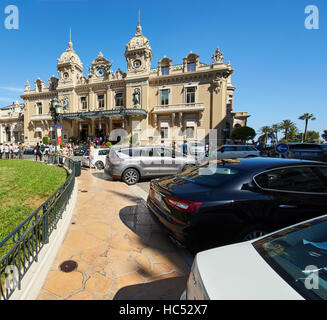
(130, 164)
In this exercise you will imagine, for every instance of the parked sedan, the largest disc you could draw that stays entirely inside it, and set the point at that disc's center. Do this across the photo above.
(99, 158)
(29, 150)
(286, 265)
(237, 151)
(132, 164)
(237, 200)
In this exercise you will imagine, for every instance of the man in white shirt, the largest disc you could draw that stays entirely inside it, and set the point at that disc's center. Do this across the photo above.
(7, 150)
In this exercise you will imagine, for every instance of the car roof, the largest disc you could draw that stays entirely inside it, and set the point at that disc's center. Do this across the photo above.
(264, 163)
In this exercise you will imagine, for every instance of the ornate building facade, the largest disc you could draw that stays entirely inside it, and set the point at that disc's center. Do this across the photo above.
(12, 123)
(165, 103)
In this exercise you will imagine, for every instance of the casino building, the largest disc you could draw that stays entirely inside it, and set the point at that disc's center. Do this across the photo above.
(167, 103)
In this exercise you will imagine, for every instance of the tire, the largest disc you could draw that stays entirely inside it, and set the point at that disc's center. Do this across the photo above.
(99, 165)
(252, 232)
(131, 176)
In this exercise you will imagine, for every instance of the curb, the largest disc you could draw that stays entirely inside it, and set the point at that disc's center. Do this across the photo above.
(35, 277)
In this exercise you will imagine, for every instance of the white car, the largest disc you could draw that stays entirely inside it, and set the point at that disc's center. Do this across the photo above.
(99, 158)
(237, 151)
(290, 264)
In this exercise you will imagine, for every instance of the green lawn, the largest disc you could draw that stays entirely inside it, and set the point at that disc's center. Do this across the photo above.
(24, 186)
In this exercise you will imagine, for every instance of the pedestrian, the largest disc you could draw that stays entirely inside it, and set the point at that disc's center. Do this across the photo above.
(1, 150)
(91, 154)
(185, 147)
(15, 150)
(11, 149)
(38, 152)
(20, 151)
(7, 151)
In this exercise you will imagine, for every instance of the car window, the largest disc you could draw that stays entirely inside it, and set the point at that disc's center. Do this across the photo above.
(162, 152)
(103, 152)
(147, 152)
(251, 148)
(296, 179)
(209, 176)
(299, 254)
(229, 148)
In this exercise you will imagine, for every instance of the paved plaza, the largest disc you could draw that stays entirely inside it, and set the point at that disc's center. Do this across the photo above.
(121, 252)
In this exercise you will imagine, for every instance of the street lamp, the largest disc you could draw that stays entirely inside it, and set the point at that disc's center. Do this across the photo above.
(55, 108)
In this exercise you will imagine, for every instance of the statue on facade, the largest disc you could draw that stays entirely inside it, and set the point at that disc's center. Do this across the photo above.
(136, 97)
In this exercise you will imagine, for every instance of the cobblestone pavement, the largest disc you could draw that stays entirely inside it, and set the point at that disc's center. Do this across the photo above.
(121, 252)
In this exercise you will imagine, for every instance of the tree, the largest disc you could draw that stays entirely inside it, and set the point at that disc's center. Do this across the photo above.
(324, 135)
(312, 136)
(243, 133)
(266, 131)
(289, 129)
(45, 140)
(306, 117)
(275, 128)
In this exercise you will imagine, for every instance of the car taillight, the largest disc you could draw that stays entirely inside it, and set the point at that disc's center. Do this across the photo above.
(183, 205)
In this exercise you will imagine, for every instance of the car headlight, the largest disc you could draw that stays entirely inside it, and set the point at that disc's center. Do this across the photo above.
(195, 289)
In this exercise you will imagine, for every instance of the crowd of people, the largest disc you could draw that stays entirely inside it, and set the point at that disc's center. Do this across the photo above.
(11, 151)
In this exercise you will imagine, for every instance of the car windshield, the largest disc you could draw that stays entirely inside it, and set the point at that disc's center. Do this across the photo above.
(299, 256)
(209, 176)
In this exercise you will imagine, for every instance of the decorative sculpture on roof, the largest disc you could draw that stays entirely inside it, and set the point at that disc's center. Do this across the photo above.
(217, 57)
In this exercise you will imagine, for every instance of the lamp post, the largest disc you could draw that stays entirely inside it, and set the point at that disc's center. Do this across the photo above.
(55, 114)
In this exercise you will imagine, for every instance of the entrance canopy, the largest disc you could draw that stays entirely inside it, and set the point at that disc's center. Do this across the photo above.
(120, 113)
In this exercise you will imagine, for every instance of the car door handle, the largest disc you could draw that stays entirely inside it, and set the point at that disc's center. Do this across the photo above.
(287, 206)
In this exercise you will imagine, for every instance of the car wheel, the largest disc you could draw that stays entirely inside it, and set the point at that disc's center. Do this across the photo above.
(131, 176)
(99, 165)
(252, 232)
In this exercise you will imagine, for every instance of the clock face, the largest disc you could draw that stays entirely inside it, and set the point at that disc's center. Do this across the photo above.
(100, 72)
(137, 63)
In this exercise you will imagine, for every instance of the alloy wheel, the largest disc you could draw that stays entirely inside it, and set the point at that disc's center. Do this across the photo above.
(131, 176)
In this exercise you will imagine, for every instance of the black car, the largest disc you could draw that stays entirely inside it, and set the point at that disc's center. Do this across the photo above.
(306, 151)
(29, 150)
(81, 151)
(238, 200)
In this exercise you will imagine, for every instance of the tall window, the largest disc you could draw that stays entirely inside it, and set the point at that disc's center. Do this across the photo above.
(190, 67)
(83, 103)
(190, 95)
(165, 71)
(119, 99)
(190, 132)
(39, 108)
(164, 97)
(164, 133)
(101, 101)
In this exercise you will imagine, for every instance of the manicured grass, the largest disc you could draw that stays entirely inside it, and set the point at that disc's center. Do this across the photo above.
(24, 186)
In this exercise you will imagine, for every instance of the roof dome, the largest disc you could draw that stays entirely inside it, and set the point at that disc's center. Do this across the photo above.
(70, 56)
(139, 40)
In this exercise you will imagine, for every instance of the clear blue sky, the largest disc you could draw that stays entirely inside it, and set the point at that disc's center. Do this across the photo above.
(280, 66)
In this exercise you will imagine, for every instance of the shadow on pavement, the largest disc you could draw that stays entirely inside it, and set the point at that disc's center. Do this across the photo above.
(166, 289)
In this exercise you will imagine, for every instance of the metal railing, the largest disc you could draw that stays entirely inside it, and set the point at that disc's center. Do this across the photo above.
(21, 248)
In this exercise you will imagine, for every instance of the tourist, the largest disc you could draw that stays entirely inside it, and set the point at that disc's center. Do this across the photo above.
(7, 151)
(38, 152)
(1, 150)
(91, 154)
(185, 147)
(20, 151)
(15, 151)
(11, 150)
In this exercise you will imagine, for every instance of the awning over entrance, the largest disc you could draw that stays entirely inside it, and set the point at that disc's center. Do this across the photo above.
(119, 113)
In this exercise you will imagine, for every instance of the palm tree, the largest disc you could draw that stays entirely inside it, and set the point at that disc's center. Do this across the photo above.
(275, 128)
(266, 131)
(287, 126)
(306, 117)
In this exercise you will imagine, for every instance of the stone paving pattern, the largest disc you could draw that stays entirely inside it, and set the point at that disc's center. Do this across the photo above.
(122, 253)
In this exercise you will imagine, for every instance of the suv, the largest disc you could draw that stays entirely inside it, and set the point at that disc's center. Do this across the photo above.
(130, 164)
(306, 151)
(237, 151)
(99, 158)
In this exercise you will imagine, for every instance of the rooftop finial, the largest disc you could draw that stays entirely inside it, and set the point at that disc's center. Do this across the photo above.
(70, 44)
(139, 28)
